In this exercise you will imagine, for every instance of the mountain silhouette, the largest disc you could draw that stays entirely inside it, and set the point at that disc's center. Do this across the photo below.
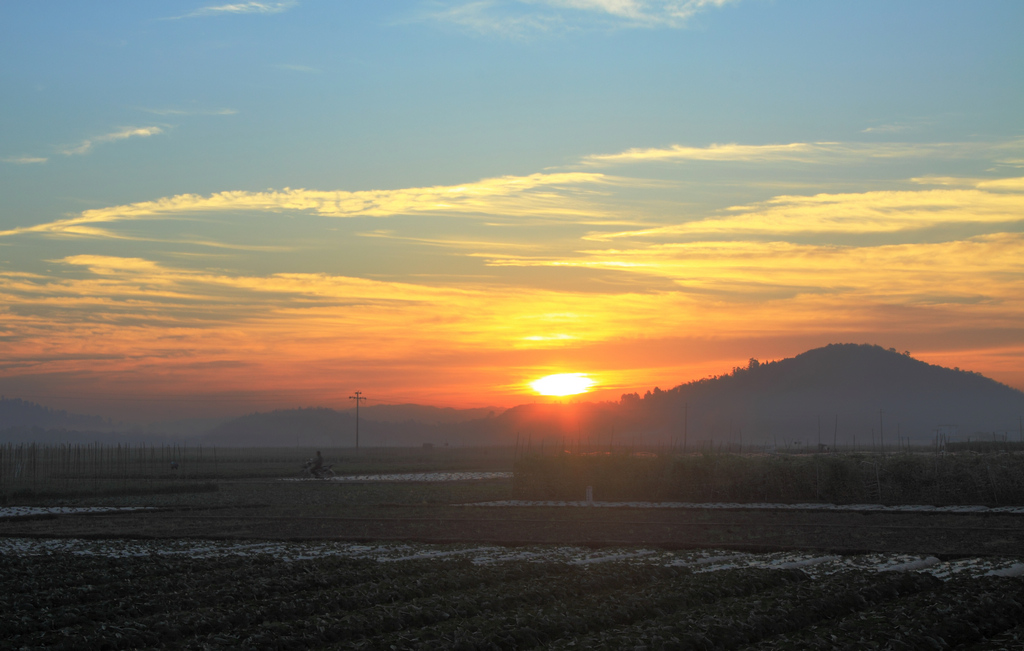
(18, 413)
(860, 387)
(849, 394)
(322, 427)
(844, 393)
(421, 413)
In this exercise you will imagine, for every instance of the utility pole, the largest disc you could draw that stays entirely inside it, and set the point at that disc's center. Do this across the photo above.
(835, 435)
(881, 433)
(686, 421)
(357, 398)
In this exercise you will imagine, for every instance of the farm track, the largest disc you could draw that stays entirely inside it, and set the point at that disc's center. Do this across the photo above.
(65, 601)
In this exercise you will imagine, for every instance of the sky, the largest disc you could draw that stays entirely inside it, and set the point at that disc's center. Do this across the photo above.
(211, 209)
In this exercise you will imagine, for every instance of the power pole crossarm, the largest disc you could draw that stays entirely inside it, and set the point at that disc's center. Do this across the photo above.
(357, 398)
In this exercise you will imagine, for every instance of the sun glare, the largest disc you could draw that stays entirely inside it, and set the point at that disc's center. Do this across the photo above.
(562, 384)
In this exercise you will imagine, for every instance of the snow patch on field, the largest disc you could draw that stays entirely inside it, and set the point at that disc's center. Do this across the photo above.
(701, 561)
(910, 566)
(24, 511)
(1017, 569)
(761, 506)
(604, 558)
(805, 563)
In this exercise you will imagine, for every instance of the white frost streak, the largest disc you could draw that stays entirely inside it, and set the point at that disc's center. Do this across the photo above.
(708, 560)
(25, 511)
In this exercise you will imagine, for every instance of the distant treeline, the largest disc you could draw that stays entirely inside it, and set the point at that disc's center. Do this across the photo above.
(935, 479)
(59, 435)
(985, 446)
(29, 470)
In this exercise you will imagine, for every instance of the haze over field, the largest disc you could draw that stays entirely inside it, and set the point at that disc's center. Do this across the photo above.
(836, 395)
(212, 209)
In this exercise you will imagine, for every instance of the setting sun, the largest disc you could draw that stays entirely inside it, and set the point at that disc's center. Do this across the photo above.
(562, 384)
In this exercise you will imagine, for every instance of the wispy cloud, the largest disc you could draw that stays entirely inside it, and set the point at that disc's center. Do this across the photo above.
(982, 270)
(989, 202)
(1004, 185)
(240, 8)
(540, 195)
(946, 181)
(144, 314)
(797, 151)
(899, 126)
(670, 13)
(742, 274)
(895, 127)
(492, 17)
(86, 146)
(522, 17)
(137, 292)
(802, 152)
(175, 111)
(24, 160)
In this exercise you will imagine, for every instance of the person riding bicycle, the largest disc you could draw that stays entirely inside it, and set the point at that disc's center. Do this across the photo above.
(318, 463)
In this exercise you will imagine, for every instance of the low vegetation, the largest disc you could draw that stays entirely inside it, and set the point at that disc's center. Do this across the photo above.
(30, 471)
(905, 478)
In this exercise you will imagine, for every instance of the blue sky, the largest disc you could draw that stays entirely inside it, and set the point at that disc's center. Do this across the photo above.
(473, 194)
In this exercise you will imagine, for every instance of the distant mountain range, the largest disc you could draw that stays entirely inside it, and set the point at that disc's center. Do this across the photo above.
(15, 412)
(848, 393)
(843, 393)
(422, 414)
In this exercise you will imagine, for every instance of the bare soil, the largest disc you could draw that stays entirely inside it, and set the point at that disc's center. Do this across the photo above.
(283, 510)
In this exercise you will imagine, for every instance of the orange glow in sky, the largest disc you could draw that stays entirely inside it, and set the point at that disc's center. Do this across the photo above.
(439, 203)
(562, 384)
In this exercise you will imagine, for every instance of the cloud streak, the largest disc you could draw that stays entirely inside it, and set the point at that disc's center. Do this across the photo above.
(173, 111)
(994, 202)
(110, 316)
(237, 8)
(512, 272)
(669, 13)
(801, 152)
(537, 195)
(25, 160)
(125, 133)
(986, 270)
(523, 17)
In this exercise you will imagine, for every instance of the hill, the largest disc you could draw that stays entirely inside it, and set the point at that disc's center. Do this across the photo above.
(18, 413)
(422, 414)
(850, 393)
(857, 393)
(322, 427)
(853, 389)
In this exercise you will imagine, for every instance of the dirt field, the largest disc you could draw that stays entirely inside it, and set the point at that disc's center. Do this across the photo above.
(200, 569)
(442, 512)
(260, 601)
